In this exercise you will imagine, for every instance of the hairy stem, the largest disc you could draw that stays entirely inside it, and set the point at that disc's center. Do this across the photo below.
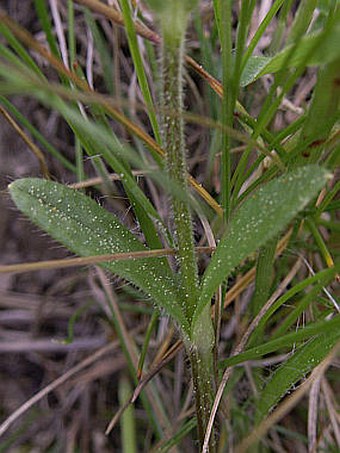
(199, 343)
(174, 144)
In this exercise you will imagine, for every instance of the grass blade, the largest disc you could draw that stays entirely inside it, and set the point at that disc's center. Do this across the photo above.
(283, 342)
(139, 67)
(294, 369)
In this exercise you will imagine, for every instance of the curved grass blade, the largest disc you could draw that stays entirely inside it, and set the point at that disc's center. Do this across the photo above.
(87, 229)
(322, 116)
(260, 218)
(316, 329)
(294, 369)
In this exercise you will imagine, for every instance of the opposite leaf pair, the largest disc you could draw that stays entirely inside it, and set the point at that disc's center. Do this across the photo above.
(86, 229)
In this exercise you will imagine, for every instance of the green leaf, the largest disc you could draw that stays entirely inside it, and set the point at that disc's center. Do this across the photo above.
(283, 342)
(322, 115)
(253, 68)
(295, 368)
(322, 47)
(139, 66)
(260, 218)
(173, 16)
(172, 7)
(87, 229)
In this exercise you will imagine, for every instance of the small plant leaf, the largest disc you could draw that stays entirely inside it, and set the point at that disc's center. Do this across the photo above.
(87, 229)
(253, 69)
(261, 217)
(322, 47)
(295, 368)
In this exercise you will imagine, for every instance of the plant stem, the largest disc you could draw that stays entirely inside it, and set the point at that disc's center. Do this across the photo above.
(174, 144)
(199, 343)
(202, 368)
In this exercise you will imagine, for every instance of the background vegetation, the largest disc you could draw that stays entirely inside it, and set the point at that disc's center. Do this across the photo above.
(87, 100)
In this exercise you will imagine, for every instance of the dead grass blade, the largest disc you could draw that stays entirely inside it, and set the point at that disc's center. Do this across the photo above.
(32, 146)
(85, 261)
(53, 385)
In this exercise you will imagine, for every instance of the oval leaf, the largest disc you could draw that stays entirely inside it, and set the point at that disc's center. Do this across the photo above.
(87, 229)
(260, 218)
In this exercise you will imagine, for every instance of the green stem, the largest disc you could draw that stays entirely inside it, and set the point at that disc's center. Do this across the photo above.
(174, 144)
(202, 368)
(199, 343)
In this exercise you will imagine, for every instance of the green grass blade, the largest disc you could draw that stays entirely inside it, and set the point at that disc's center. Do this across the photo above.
(246, 12)
(299, 308)
(24, 58)
(328, 198)
(228, 103)
(259, 219)
(87, 229)
(285, 80)
(282, 23)
(71, 33)
(128, 420)
(302, 19)
(260, 31)
(322, 115)
(139, 67)
(44, 17)
(283, 342)
(319, 280)
(264, 275)
(295, 368)
(183, 431)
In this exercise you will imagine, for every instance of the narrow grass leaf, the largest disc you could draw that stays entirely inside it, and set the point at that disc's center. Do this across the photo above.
(128, 420)
(261, 30)
(25, 58)
(87, 229)
(317, 281)
(322, 115)
(139, 66)
(45, 20)
(260, 218)
(283, 342)
(294, 369)
(176, 438)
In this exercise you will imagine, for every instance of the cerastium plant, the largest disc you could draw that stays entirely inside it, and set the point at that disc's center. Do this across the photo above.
(87, 229)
